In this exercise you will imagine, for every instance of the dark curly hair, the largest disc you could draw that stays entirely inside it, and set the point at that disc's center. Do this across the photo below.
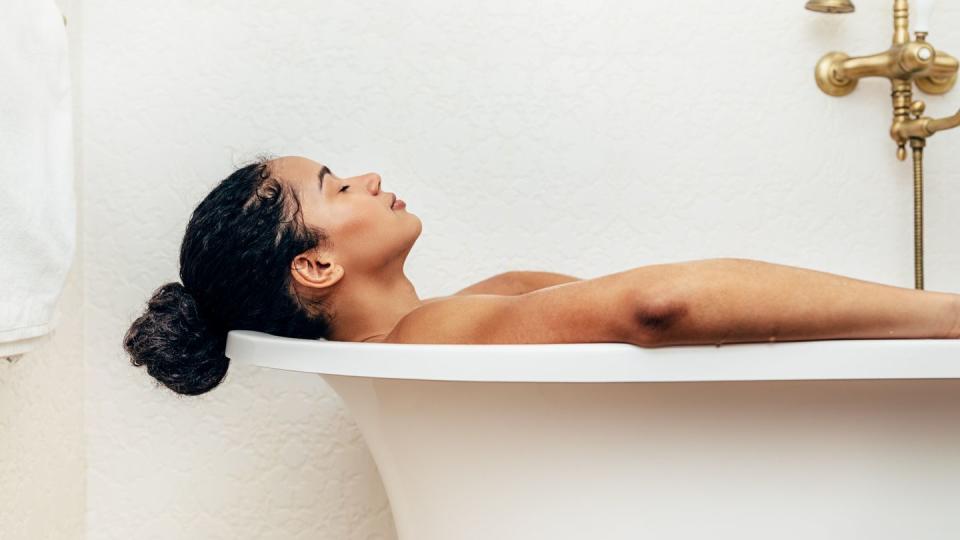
(235, 272)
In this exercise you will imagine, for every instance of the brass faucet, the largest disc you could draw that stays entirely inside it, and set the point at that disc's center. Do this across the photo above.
(934, 71)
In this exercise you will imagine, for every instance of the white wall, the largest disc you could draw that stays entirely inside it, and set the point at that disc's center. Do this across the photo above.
(42, 444)
(583, 138)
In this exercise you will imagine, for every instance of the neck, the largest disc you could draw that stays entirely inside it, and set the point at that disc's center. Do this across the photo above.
(368, 309)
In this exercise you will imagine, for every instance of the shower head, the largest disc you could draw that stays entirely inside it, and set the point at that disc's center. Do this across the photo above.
(830, 6)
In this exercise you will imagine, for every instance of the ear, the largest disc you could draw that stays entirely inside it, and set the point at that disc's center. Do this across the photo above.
(314, 270)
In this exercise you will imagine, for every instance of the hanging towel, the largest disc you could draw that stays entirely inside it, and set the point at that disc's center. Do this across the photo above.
(37, 201)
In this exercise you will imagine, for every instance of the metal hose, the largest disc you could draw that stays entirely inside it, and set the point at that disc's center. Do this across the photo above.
(918, 216)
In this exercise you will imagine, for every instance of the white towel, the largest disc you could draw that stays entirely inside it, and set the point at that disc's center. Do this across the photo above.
(37, 201)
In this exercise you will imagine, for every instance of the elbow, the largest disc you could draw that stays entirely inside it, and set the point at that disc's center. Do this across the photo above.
(657, 319)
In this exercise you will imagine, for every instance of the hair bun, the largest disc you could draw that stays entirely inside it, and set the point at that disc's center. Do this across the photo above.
(179, 348)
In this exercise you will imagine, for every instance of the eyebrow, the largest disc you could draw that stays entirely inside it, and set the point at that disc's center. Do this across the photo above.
(323, 172)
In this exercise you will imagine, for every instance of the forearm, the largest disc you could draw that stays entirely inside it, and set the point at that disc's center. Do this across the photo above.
(742, 301)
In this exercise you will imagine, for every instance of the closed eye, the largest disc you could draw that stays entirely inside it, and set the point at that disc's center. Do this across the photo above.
(344, 188)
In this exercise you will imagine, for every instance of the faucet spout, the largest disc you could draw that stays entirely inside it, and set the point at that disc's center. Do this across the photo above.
(941, 124)
(922, 126)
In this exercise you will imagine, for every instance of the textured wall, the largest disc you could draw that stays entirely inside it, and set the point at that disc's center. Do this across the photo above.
(583, 138)
(42, 462)
(42, 443)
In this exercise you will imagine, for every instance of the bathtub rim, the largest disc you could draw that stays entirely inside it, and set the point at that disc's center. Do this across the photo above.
(609, 362)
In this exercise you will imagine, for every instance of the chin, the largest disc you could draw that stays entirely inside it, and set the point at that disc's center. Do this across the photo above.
(419, 225)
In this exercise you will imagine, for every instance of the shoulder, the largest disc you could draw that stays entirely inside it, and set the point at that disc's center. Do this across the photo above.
(449, 319)
(604, 309)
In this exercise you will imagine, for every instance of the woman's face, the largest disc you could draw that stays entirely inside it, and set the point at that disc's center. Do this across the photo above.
(366, 232)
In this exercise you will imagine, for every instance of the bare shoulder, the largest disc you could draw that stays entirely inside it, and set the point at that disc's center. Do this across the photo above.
(603, 309)
(448, 319)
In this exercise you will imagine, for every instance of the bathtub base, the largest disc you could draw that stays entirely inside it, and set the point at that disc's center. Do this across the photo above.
(793, 459)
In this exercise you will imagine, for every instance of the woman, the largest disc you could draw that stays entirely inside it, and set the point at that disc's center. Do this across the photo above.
(285, 246)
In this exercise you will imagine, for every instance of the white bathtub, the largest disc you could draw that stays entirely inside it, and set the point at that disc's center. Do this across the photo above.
(855, 439)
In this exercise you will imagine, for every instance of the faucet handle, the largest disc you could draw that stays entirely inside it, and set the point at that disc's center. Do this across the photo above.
(917, 108)
(923, 10)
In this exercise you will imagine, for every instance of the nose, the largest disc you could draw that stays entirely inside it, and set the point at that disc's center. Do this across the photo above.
(373, 181)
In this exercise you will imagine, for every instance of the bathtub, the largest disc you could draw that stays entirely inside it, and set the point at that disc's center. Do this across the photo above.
(793, 440)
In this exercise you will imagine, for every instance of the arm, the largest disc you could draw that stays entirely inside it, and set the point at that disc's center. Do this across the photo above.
(743, 300)
(709, 301)
(611, 308)
(516, 282)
